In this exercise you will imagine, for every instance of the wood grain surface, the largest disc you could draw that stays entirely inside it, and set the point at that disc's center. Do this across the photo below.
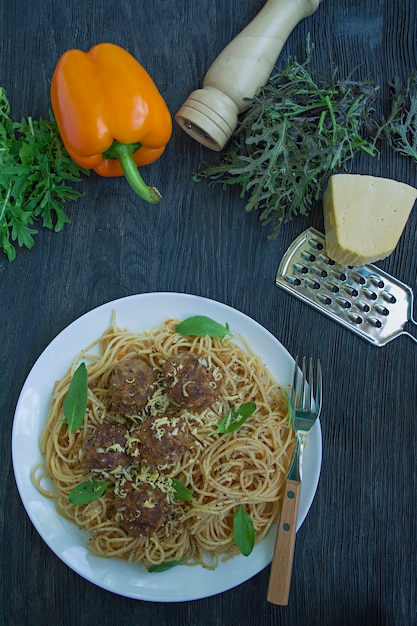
(355, 559)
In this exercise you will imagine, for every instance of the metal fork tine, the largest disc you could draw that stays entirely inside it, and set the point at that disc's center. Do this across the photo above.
(306, 390)
(311, 383)
(294, 383)
(304, 387)
(319, 385)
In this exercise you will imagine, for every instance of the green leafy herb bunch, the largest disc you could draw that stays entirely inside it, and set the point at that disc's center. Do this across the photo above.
(34, 170)
(297, 132)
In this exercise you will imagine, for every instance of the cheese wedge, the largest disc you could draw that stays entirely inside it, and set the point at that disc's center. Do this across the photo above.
(364, 217)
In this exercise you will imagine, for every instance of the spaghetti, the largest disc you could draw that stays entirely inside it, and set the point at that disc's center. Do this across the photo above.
(222, 471)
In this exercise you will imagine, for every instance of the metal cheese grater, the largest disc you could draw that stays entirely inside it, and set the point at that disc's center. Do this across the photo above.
(365, 299)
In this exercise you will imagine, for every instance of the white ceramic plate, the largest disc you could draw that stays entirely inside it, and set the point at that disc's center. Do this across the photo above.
(140, 312)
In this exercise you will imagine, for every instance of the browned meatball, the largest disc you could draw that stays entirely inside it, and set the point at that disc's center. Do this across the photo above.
(160, 441)
(105, 448)
(131, 386)
(142, 509)
(190, 381)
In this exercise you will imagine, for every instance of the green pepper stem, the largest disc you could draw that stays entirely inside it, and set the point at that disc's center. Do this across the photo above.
(124, 153)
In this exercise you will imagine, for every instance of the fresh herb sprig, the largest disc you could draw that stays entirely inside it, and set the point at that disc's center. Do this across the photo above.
(201, 326)
(235, 418)
(87, 491)
(166, 565)
(75, 402)
(400, 127)
(34, 170)
(298, 131)
(181, 491)
(243, 531)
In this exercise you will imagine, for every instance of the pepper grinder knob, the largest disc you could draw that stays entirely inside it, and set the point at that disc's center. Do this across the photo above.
(210, 115)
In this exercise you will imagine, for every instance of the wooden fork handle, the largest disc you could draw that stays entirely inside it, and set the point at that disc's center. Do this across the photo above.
(281, 567)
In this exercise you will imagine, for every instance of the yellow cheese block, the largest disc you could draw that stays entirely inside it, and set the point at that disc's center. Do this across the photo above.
(364, 217)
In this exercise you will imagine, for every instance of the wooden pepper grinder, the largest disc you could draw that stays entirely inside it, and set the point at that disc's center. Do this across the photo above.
(210, 114)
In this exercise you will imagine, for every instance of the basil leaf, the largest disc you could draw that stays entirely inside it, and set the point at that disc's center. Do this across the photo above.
(88, 491)
(162, 567)
(236, 417)
(243, 531)
(181, 492)
(200, 326)
(75, 402)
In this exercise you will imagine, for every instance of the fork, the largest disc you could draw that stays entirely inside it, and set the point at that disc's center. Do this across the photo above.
(306, 402)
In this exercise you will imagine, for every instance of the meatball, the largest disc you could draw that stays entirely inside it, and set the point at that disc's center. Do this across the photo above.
(131, 386)
(141, 509)
(160, 441)
(105, 448)
(190, 381)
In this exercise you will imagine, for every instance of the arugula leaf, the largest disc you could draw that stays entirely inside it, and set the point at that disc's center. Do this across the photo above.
(200, 326)
(75, 402)
(34, 170)
(297, 132)
(162, 567)
(181, 492)
(400, 128)
(87, 491)
(236, 417)
(243, 531)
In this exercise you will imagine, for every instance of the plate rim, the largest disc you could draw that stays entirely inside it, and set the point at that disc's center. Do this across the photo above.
(79, 560)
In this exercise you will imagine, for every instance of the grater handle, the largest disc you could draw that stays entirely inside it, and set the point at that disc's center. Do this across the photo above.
(413, 321)
(409, 335)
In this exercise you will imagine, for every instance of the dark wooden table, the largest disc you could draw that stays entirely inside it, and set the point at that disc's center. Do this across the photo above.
(356, 556)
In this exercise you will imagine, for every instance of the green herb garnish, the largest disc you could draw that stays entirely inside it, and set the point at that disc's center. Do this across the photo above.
(88, 491)
(34, 169)
(298, 131)
(400, 128)
(75, 402)
(181, 492)
(243, 531)
(162, 567)
(236, 417)
(201, 326)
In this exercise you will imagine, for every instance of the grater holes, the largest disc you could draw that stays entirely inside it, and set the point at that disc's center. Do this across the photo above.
(357, 278)
(389, 297)
(371, 295)
(299, 267)
(339, 275)
(343, 303)
(351, 291)
(354, 318)
(308, 256)
(319, 271)
(374, 321)
(325, 259)
(377, 282)
(317, 245)
(362, 306)
(293, 280)
(313, 284)
(321, 297)
(331, 286)
(378, 303)
(381, 309)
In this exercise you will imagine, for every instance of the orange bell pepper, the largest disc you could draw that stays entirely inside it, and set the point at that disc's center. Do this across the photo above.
(110, 114)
